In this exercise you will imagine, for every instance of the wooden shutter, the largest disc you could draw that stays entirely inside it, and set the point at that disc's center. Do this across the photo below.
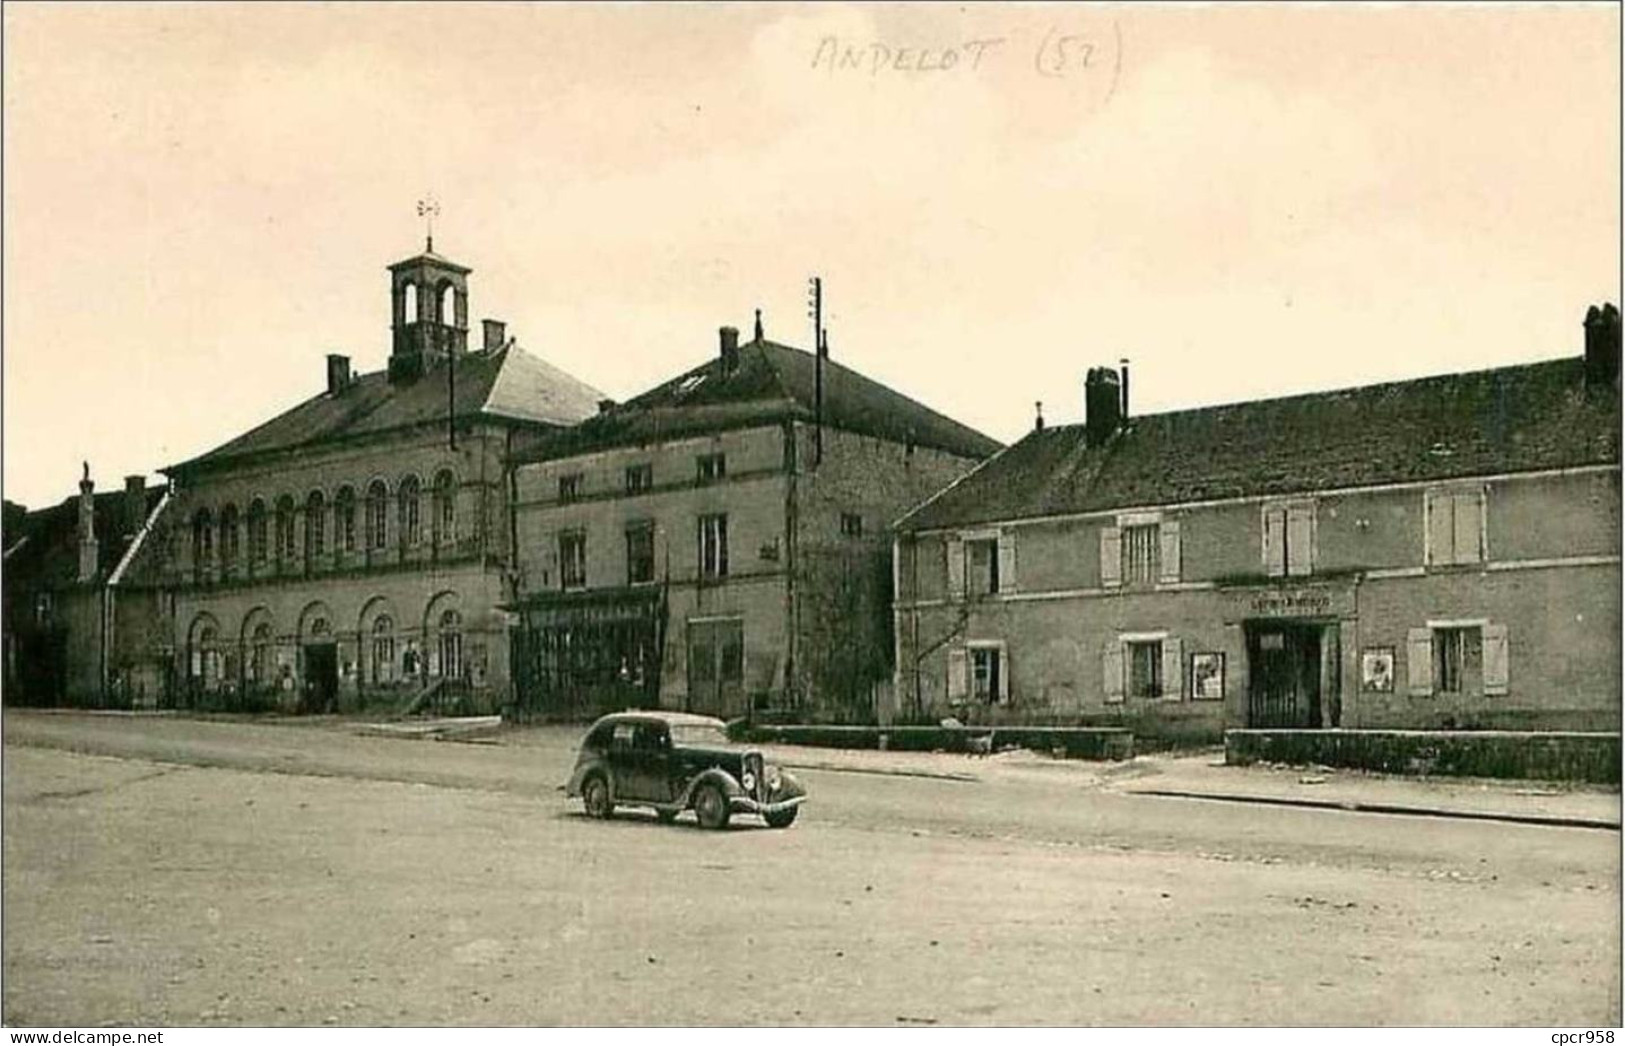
(1007, 561)
(1419, 661)
(1004, 675)
(1169, 558)
(1300, 538)
(1173, 669)
(1495, 659)
(958, 672)
(956, 566)
(1465, 510)
(1111, 557)
(1111, 661)
(1441, 530)
(1275, 541)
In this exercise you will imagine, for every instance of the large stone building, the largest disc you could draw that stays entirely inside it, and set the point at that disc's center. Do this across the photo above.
(1442, 552)
(721, 543)
(354, 549)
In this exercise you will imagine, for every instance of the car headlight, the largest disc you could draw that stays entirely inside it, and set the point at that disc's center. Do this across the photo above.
(748, 781)
(774, 778)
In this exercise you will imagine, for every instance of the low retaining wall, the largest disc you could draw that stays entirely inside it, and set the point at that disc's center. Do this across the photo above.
(1071, 741)
(1550, 756)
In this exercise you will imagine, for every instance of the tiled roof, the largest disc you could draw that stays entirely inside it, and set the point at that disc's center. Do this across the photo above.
(507, 384)
(770, 383)
(1512, 419)
(44, 551)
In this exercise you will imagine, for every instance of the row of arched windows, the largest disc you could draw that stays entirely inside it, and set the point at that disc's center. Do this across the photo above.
(283, 521)
(444, 304)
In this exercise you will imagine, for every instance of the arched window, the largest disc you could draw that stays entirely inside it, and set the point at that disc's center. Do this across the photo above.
(202, 537)
(259, 660)
(409, 497)
(451, 645)
(409, 303)
(445, 508)
(377, 515)
(284, 528)
(228, 535)
(315, 524)
(209, 657)
(256, 531)
(344, 519)
(448, 305)
(383, 649)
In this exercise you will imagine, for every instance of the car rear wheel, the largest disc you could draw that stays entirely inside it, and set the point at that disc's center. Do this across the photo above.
(596, 798)
(781, 819)
(711, 807)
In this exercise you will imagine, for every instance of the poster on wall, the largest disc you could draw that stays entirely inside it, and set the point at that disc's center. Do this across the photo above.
(1207, 676)
(1377, 669)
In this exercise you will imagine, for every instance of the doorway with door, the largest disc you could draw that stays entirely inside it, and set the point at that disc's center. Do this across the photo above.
(716, 667)
(1294, 681)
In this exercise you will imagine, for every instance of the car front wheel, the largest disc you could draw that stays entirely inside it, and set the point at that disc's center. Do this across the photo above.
(595, 797)
(781, 819)
(711, 807)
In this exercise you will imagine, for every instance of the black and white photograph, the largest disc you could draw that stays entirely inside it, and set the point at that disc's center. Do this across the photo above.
(810, 515)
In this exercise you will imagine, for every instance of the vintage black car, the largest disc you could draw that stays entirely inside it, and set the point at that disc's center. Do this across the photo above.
(674, 761)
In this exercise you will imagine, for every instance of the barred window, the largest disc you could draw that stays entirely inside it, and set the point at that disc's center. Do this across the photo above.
(573, 559)
(714, 546)
(1141, 545)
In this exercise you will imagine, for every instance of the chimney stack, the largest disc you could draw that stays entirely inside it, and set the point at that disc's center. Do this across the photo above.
(338, 373)
(89, 557)
(729, 337)
(135, 504)
(758, 324)
(1123, 364)
(1602, 346)
(605, 406)
(496, 335)
(1038, 426)
(1102, 405)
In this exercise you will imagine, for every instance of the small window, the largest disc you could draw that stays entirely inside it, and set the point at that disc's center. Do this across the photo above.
(1145, 669)
(987, 684)
(1141, 546)
(851, 524)
(1455, 533)
(639, 478)
(714, 546)
(711, 467)
(572, 559)
(640, 553)
(982, 567)
(570, 487)
(1457, 660)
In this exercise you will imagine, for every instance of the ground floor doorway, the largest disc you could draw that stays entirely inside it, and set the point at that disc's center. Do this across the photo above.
(321, 677)
(716, 667)
(1294, 681)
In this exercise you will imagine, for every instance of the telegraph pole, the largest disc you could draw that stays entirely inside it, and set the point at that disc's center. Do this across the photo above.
(817, 313)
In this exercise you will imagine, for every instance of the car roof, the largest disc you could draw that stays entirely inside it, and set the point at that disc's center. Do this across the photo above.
(657, 716)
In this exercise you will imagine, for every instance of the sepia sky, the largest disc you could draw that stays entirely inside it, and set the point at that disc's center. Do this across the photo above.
(200, 200)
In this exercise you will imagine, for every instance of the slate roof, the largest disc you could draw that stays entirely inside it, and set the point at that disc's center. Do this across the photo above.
(771, 383)
(43, 550)
(507, 384)
(1511, 419)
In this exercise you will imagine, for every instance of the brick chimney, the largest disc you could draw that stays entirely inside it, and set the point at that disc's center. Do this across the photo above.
(1102, 405)
(338, 373)
(729, 337)
(135, 504)
(1602, 346)
(496, 335)
(89, 553)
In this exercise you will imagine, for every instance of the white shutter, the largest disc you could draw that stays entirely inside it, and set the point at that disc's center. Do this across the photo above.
(1004, 675)
(1465, 539)
(1495, 659)
(1111, 557)
(1170, 551)
(1274, 542)
(1441, 530)
(1173, 669)
(1300, 536)
(1007, 561)
(1111, 661)
(1419, 661)
(956, 567)
(957, 674)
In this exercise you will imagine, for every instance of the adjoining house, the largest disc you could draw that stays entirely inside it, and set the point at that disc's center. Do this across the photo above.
(1442, 552)
(81, 624)
(355, 548)
(720, 543)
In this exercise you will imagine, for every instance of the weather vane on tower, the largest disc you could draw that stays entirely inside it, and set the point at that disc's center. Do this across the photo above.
(429, 210)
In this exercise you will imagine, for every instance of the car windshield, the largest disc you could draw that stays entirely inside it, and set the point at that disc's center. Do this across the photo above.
(697, 734)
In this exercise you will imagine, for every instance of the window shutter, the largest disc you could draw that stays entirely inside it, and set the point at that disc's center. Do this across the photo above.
(1173, 669)
(957, 674)
(1004, 675)
(1274, 542)
(1465, 509)
(1441, 530)
(1495, 659)
(1300, 537)
(956, 567)
(1007, 561)
(1419, 661)
(1169, 531)
(1111, 660)
(1111, 559)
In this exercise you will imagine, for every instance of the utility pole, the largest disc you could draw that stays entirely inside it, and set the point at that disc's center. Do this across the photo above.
(817, 312)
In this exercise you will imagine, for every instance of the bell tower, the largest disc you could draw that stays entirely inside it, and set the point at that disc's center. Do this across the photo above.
(428, 298)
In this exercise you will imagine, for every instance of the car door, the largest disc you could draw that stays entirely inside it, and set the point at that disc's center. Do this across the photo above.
(651, 752)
